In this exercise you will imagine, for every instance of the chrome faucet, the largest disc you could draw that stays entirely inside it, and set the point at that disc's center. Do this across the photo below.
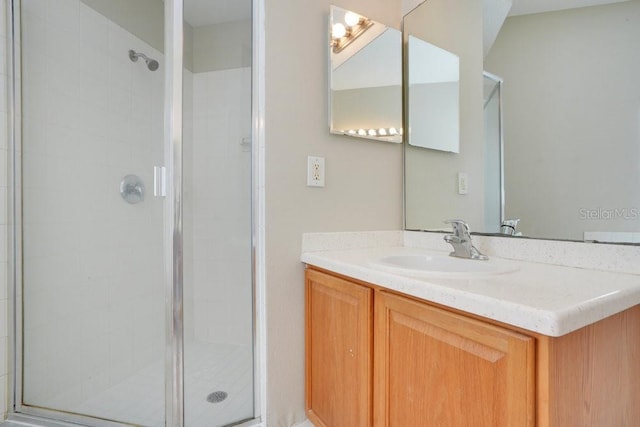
(509, 226)
(461, 241)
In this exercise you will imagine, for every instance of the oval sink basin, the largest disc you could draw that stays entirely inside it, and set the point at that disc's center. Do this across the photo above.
(442, 266)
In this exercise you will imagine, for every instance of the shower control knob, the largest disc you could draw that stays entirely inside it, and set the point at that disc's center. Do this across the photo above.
(132, 189)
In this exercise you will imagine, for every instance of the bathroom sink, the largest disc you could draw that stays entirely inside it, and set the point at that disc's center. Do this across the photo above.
(435, 265)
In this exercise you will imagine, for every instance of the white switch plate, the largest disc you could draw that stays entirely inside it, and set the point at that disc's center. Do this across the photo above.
(463, 183)
(315, 171)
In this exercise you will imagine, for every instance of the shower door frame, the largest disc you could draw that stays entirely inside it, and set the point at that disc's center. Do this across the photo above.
(173, 237)
(498, 89)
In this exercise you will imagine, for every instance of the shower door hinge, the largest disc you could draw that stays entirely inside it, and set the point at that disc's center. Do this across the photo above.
(160, 181)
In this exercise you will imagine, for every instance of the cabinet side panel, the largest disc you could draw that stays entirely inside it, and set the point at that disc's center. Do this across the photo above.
(338, 346)
(595, 373)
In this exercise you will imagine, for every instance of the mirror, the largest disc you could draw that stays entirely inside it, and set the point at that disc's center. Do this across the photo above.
(365, 77)
(433, 76)
(570, 120)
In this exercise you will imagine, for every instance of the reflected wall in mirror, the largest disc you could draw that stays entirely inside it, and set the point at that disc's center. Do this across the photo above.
(431, 176)
(365, 77)
(433, 76)
(571, 120)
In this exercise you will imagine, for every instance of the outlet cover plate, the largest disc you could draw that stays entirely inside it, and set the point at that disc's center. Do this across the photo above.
(315, 171)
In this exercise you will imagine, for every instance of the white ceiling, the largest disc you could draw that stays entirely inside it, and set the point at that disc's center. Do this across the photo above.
(525, 7)
(208, 12)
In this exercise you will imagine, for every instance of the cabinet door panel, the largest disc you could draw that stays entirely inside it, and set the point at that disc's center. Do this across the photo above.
(437, 368)
(338, 351)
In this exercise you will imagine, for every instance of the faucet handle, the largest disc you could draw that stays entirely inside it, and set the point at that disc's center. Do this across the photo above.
(459, 226)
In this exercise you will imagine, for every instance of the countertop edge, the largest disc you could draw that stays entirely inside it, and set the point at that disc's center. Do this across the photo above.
(545, 322)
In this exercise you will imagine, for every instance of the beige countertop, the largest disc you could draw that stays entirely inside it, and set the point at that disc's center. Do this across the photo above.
(548, 299)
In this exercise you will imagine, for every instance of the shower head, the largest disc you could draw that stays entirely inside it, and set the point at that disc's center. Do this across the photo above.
(152, 64)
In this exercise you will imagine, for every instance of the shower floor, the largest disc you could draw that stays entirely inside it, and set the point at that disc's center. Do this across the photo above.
(209, 368)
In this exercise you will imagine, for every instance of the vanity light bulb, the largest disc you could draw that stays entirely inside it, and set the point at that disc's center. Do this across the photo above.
(393, 131)
(372, 132)
(351, 132)
(362, 132)
(401, 131)
(351, 19)
(338, 31)
(382, 132)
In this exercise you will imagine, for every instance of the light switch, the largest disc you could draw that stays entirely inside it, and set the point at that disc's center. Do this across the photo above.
(463, 183)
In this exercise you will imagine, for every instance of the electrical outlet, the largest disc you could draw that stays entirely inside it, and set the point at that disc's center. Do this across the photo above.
(463, 183)
(315, 171)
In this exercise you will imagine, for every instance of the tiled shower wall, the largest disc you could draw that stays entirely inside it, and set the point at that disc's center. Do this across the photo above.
(221, 206)
(94, 294)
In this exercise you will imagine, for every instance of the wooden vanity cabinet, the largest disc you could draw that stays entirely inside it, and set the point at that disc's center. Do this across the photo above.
(437, 368)
(377, 358)
(338, 342)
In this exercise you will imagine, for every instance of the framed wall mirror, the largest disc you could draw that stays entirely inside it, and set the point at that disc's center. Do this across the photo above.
(570, 118)
(365, 77)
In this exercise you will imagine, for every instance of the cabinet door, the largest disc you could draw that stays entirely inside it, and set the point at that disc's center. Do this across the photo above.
(438, 368)
(338, 351)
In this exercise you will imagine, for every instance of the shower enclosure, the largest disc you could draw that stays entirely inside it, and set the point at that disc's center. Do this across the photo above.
(133, 189)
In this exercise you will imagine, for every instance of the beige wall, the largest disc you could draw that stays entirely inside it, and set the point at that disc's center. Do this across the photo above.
(571, 104)
(454, 25)
(222, 46)
(363, 179)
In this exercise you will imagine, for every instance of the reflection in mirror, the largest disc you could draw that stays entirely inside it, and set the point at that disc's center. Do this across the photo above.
(441, 185)
(571, 99)
(432, 97)
(493, 157)
(365, 77)
(571, 123)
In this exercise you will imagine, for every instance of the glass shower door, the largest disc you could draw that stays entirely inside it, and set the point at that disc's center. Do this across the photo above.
(136, 309)
(93, 332)
(217, 156)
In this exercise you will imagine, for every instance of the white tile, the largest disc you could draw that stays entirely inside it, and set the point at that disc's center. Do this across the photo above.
(4, 330)
(35, 7)
(3, 283)
(34, 30)
(3, 395)
(63, 14)
(94, 30)
(4, 360)
(62, 45)
(3, 206)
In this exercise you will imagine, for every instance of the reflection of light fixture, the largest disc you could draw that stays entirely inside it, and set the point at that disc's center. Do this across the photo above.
(344, 34)
(351, 19)
(379, 133)
(338, 31)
